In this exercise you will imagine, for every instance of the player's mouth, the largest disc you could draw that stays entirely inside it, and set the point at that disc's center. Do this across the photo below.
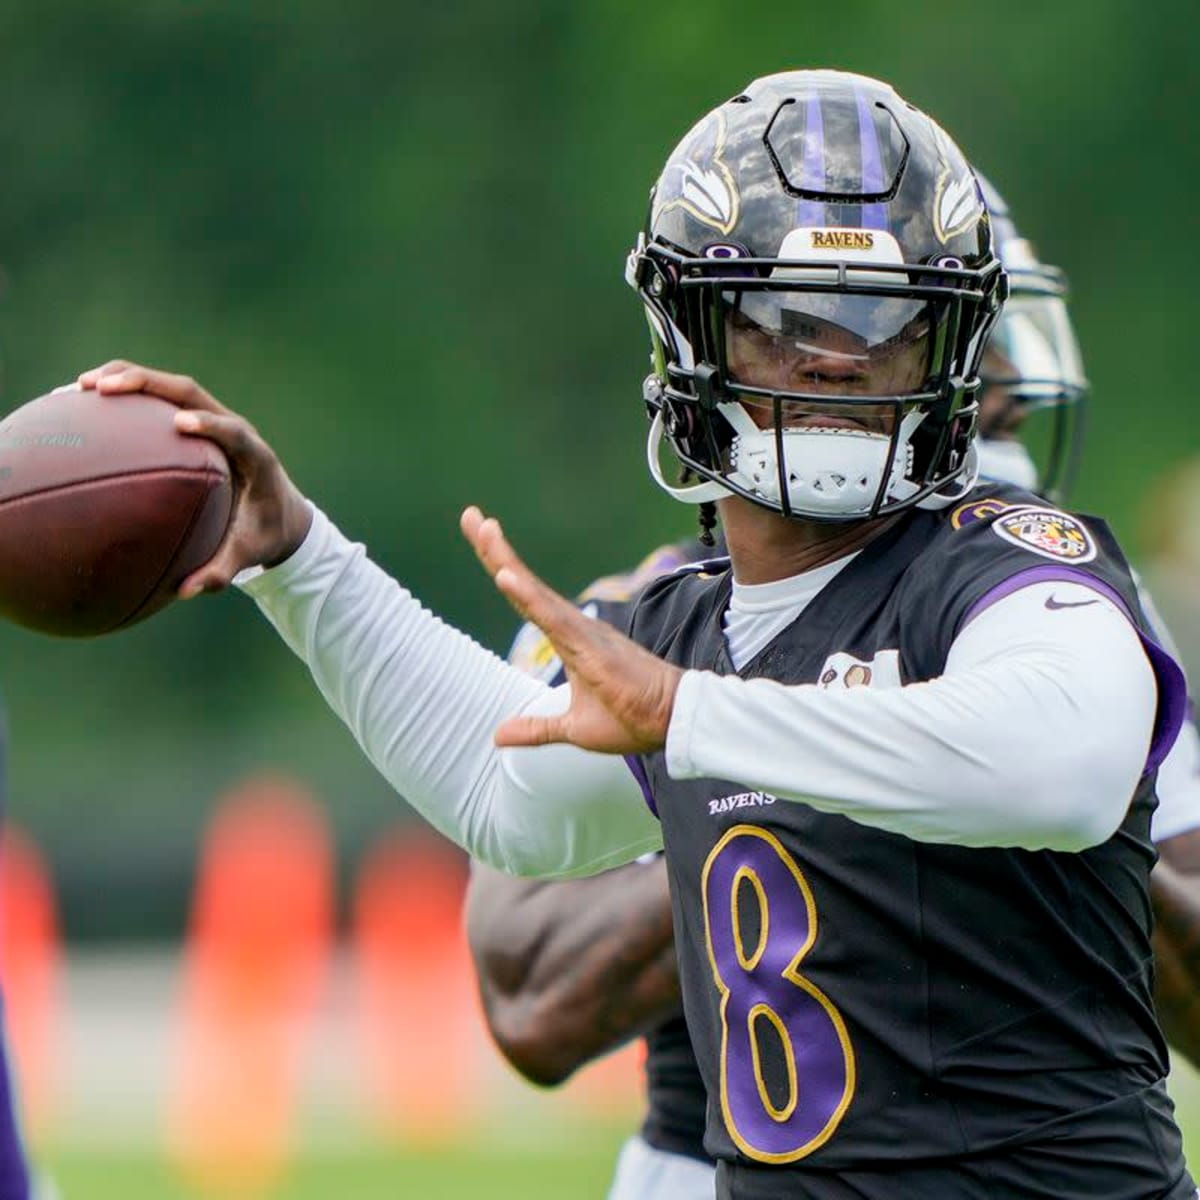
(829, 421)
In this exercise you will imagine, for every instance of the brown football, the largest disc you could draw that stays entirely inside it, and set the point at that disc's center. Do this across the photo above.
(104, 510)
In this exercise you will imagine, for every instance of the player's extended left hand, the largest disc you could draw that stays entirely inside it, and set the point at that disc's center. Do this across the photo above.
(621, 694)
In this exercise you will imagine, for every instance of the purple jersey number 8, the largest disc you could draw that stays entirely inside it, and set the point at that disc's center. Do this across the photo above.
(761, 985)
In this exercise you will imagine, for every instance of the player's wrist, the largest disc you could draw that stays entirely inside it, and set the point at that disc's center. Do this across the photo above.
(292, 561)
(295, 525)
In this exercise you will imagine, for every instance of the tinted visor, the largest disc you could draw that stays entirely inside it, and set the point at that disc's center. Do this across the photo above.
(856, 344)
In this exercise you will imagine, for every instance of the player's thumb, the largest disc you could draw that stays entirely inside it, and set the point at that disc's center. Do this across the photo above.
(531, 731)
(215, 576)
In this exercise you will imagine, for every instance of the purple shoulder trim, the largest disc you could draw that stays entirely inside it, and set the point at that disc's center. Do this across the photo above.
(639, 773)
(1173, 700)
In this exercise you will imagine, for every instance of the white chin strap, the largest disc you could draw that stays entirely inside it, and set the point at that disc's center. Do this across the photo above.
(1008, 461)
(697, 493)
(829, 472)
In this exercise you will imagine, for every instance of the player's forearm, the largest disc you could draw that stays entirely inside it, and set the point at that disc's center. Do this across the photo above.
(1176, 897)
(423, 701)
(1060, 709)
(370, 647)
(570, 970)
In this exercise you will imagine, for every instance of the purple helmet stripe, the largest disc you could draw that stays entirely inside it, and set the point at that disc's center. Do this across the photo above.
(811, 213)
(874, 216)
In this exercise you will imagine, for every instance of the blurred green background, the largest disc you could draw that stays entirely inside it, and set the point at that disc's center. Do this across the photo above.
(393, 236)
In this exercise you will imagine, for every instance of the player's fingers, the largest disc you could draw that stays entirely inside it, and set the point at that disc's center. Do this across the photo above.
(216, 574)
(531, 731)
(122, 377)
(210, 578)
(487, 539)
(532, 598)
(236, 437)
(181, 390)
(88, 378)
(470, 520)
(565, 625)
(521, 585)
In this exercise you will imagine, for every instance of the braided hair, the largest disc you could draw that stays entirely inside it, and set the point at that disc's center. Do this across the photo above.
(708, 510)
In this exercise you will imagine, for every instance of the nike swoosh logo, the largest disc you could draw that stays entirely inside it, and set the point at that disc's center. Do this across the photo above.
(1052, 603)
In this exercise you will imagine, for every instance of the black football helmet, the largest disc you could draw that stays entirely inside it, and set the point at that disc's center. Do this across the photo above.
(819, 277)
(1032, 362)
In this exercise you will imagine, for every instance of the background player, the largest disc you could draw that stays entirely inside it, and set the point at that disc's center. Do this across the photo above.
(570, 970)
(939, 898)
(1034, 362)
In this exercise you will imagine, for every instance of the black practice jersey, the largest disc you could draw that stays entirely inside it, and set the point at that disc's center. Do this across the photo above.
(880, 1017)
(676, 1103)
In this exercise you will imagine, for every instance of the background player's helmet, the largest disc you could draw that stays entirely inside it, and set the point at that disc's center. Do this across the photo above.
(819, 278)
(1031, 362)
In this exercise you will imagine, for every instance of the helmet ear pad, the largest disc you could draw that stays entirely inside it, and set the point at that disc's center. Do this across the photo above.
(696, 435)
(680, 420)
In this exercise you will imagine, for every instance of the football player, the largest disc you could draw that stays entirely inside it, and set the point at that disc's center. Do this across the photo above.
(899, 746)
(569, 970)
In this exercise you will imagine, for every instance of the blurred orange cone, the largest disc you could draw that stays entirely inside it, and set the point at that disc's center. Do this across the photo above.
(30, 962)
(258, 950)
(416, 994)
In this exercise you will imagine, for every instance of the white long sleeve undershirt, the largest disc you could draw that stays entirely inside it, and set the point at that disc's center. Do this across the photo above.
(1035, 736)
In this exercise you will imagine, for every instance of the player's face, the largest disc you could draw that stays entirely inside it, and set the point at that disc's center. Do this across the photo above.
(827, 345)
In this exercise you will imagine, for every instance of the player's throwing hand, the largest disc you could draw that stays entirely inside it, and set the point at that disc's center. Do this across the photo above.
(270, 517)
(621, 695)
